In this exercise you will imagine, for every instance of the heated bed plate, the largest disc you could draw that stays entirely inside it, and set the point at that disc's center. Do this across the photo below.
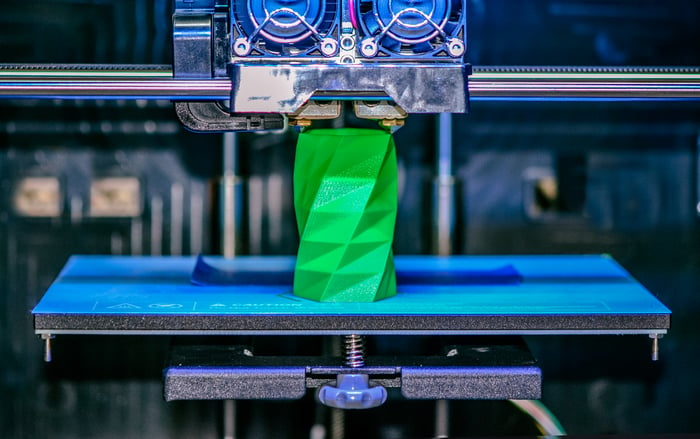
(485, 295)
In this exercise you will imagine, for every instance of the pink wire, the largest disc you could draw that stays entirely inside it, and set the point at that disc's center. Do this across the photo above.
(353, 16)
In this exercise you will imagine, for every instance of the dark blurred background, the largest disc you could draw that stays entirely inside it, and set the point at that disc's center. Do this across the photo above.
(113, 177)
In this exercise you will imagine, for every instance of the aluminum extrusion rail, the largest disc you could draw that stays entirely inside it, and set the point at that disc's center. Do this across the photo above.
(36, 81)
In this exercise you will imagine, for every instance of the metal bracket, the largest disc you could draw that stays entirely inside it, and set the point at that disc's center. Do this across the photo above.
(503, 371)
(389, 115)
(415, 88)
(313, 110)
(192, 44)
(210, 117)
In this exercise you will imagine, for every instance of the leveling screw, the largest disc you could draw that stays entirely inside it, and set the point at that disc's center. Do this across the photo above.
(352, 390)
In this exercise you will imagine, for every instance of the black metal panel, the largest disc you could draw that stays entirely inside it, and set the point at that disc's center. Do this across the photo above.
(501, 371)
(437, 324)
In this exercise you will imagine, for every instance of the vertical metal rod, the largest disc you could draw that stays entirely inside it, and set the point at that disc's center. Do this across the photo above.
(444, 190)
(337, 416)
(196, 214)
(76, 209)
(177, 214)
(229, 419)
(442, 419)
(231, 194)
(655, 346)
(444, 141)
(444, 200)
(337, 424)
(48, 356)
(229, 215)
(230, 162)
(156, 226)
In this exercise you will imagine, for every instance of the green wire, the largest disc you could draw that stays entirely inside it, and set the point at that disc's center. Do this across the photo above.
(545, 420)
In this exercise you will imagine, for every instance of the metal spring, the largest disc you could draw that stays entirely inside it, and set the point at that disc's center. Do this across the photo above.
(354, 351)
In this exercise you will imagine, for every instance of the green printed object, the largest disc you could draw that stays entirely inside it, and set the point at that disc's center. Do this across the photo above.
(345, 196)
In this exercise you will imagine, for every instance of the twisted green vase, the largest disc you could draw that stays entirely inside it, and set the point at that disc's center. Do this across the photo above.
(345, 196)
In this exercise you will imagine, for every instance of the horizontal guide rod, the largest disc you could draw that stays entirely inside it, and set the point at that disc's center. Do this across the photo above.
(507, 83)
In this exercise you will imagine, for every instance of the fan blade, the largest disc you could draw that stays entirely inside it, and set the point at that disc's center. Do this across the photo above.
(370, 22)
(450, 27)
(391, 44)
(423, 47)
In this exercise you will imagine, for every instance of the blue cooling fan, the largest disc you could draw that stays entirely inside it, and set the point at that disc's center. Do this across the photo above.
(411, 28)
(295, 28)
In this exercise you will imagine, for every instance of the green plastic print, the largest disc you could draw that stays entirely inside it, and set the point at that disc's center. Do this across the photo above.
(345, 196)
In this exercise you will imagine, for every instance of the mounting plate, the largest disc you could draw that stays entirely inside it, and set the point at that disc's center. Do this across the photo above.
(495, 371)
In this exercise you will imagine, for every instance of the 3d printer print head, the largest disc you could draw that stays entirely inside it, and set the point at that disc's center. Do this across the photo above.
(381, 29)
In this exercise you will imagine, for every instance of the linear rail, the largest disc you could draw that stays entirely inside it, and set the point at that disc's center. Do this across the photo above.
(585, 83)
(38, 81)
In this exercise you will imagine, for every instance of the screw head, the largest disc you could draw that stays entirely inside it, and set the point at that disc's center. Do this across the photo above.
(368, 47)
(329, 46)
(241, 47)
(347, 43)
(455, 47)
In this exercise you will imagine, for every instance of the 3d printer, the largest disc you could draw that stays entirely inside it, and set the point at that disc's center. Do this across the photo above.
(248, 66)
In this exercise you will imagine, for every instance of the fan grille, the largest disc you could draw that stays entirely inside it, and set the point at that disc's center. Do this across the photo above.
(284, 27)
(411, 27)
